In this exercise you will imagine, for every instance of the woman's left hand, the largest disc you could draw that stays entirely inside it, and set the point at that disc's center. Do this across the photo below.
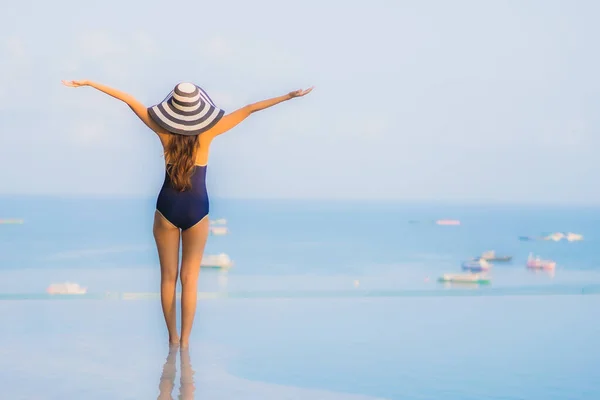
(300, 93)
(74, 83)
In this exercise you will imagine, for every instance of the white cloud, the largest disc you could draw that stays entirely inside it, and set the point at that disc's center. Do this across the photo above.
(104, 46)
(281, 123)
(89, 133)
(310, 123)
(69, 66)
(217, 48)
(108, 130)
(15, 72)
(95, 119)
(15, 48)
(574, 135)
(226, 100)
(557, 135)
(254, 57)
(119, 56)
(143, 42)
(100, 45)
(376, 127)
(364, 126)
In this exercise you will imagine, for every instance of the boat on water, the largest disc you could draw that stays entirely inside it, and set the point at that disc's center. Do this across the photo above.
(219, 230)
(219, 221)
(447, 222)
(66, 288)
(216, 261)
(527, 238)
(573, 237)
(557, 236)
(491, 256)
(476, 265)
(465, 278)
(11, 221)
(538, 263)
(568, 236)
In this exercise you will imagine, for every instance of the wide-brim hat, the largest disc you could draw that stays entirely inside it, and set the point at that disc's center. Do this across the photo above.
(187, 110)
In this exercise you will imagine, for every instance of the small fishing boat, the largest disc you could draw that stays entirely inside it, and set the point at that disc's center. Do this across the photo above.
(476, 265)
(538, 263)
(216, 261)
(465, 278)
(491, 256)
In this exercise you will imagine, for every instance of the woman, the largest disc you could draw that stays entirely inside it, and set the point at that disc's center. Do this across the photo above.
(186, 122)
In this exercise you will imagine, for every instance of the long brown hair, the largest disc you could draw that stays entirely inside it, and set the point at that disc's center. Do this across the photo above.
(180, 154)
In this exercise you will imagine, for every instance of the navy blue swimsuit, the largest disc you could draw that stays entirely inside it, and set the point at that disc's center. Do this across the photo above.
(184, 209)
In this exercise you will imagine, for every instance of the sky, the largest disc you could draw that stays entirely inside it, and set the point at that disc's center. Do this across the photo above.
(414, 100)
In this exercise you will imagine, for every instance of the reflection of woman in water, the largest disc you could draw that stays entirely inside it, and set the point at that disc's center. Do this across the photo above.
(186, 382)
(186, 122)
(167, 378)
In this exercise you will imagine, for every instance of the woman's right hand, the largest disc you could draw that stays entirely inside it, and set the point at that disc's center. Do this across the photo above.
(300, 93)
(74, 83)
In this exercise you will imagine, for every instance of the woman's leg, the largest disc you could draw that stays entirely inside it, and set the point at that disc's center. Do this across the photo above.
(193, 241)
(166, 236)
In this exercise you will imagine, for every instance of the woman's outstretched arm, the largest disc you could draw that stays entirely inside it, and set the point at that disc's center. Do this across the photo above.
(138, 108)
(234, 118)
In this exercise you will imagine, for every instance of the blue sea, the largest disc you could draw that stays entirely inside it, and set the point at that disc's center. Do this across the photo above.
(326, 300)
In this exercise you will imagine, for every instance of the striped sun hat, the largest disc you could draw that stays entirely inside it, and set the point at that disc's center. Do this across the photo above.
(187, 110)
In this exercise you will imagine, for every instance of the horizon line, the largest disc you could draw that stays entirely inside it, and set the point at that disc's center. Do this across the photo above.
(406, 201)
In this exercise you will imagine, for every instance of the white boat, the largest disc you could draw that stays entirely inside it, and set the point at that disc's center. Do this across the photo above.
(216, 261)
(66, 288)
(220, 221)
(491, 256)
(573, 237)
(219, 230)
(557, 236)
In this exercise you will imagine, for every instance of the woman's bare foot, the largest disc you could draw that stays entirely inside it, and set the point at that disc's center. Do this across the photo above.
(184, 344)
(174, 341)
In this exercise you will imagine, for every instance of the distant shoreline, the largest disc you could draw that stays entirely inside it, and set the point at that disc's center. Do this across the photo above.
(307, 200)
(441, 291)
